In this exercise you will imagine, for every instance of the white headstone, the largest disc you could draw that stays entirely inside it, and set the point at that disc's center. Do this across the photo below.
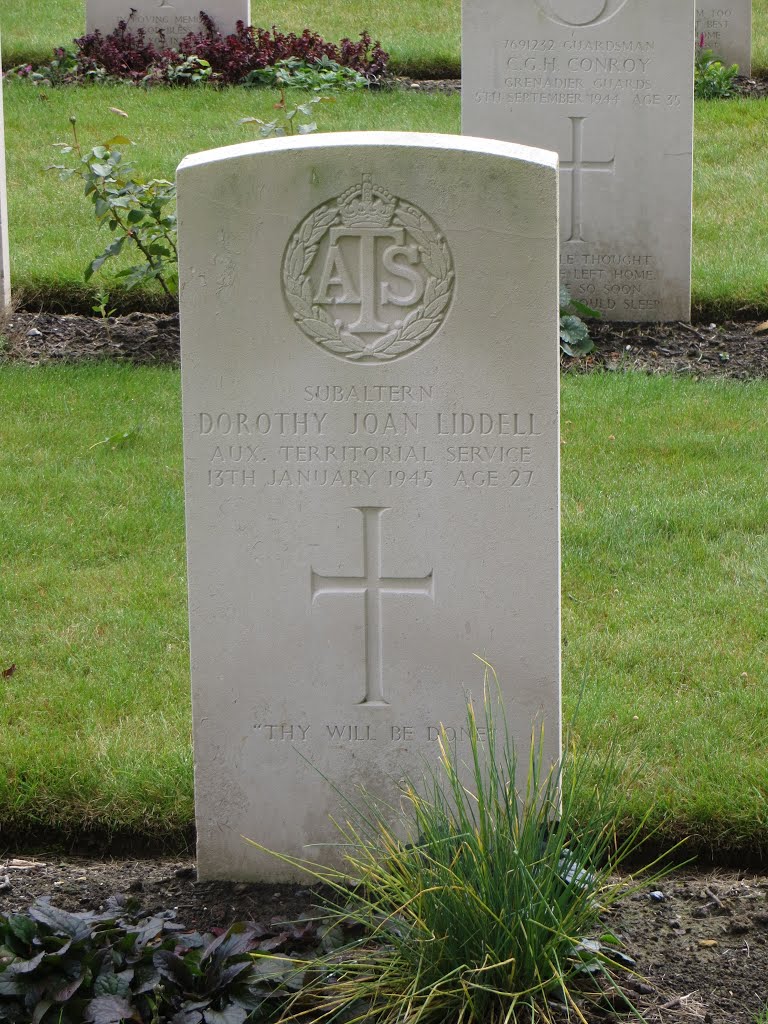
(5, 265)
(370, 392)
(727, 30)
(173, 18)
(608, 84)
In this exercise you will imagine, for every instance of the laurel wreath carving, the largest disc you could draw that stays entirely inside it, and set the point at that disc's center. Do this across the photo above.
(606, 11)
(331, 334)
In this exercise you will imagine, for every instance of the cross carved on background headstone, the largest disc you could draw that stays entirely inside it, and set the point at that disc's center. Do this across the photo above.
(576, 166)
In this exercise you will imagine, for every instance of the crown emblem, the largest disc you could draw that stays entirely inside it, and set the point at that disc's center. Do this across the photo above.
(344, 287)
(367, 205)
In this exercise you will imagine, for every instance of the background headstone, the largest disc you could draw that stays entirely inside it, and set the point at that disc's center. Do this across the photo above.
(727, 30)
(174, 18)
(607, 84)
(5, 266)
(370, 391)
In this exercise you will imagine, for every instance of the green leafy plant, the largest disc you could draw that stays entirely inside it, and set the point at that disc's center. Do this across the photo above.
(101, 307)
(295, 73)
(119, 439)
(287, 121)
(712, 78)
(140, 213)
(61, 69)
(483, 905)
(58, 967)
(190, 70)
(574, 333)
(100, 304)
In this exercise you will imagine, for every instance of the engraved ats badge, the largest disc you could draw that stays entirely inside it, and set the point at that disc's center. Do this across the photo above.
(579, 13)
(368, 277)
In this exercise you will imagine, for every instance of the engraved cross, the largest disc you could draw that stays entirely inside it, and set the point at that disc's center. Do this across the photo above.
(372, 585)
(575, 166)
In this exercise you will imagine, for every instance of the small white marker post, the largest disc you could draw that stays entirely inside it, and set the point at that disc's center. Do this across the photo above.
(5, 266)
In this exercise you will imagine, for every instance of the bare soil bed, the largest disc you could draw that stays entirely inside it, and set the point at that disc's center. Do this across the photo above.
(737, 349)
(700, 939)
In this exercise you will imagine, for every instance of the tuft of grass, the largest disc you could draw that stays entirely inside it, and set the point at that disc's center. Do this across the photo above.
(480, 902)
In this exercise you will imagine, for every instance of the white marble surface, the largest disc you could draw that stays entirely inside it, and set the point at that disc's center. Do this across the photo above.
(370, 391)
(608, 85)
(727, 29)
(174, 18)
(5, 266)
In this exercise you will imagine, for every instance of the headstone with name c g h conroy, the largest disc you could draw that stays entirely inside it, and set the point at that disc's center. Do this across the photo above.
(608, 84)
(370, 392)
(727, 31)
(165, 21)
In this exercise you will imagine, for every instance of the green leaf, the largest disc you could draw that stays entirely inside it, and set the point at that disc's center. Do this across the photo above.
(583, 309)
(174, 968)
(240, 938)
(276, 968)
(76, 926)
(229, 1015)
(118, 439)
(307, 129)
(22, 966)
(68, 989)
(102, 170)
(147, 978)
(9, 986)
(40, 1010)
(22, 927)
(114, 984)
(113, 249)
(109, 1010)
(574, 336)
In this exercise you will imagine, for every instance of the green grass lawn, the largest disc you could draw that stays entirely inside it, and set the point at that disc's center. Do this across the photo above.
(665, 547)
(54, 236)
(423, 37)
(94, 723)
(665, 555)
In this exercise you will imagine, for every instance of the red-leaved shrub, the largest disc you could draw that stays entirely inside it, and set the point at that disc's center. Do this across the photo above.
(124, 53)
